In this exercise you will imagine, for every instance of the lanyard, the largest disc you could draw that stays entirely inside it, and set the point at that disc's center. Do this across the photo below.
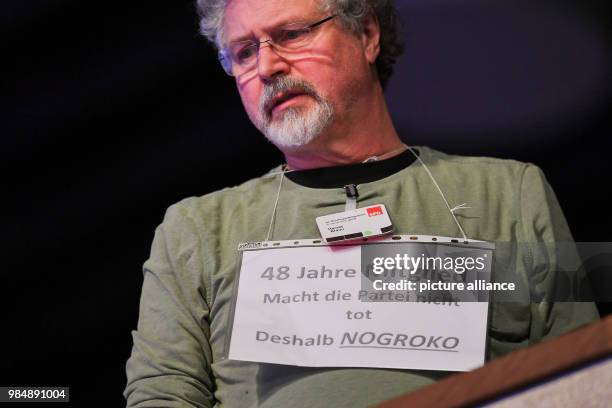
(352, 196)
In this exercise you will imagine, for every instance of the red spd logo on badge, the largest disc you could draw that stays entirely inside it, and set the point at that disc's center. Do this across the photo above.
(374, 211)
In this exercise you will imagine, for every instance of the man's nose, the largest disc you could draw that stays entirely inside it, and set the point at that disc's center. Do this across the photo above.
(269, 63)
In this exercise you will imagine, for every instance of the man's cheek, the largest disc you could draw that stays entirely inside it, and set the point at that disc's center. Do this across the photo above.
(252, 110)
(253, 116)
(251, 106)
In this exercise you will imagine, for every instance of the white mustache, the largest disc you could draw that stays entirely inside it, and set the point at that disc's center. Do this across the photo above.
(283, 85)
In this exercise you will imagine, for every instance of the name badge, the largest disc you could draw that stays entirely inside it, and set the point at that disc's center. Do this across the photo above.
(305, 303)
(354, 224)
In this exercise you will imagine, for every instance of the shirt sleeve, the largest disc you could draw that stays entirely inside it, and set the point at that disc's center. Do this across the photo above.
(552, 252)
(171, 357)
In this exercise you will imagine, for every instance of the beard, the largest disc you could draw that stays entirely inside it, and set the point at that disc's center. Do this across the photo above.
(294, 126)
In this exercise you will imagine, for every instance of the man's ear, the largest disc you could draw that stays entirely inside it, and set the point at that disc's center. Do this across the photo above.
(370, 37)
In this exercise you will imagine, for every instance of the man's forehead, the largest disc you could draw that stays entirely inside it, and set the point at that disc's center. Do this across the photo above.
(243, 17)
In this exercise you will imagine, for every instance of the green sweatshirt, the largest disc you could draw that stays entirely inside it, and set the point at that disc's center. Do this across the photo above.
(177, 358)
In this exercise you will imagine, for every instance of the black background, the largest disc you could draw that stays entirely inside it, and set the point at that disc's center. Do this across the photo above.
(115, 110)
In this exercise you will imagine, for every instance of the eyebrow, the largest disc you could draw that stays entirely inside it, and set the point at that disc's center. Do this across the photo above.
(282, 23)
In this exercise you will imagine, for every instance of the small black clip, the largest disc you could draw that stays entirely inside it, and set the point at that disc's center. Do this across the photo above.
(351, 191)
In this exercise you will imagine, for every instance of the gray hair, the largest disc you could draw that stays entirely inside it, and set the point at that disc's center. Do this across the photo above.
(350, 12)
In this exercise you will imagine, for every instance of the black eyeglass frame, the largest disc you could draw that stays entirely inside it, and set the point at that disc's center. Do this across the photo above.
(226, 61)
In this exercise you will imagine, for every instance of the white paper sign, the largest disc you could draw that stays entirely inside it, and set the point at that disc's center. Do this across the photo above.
(302, 306)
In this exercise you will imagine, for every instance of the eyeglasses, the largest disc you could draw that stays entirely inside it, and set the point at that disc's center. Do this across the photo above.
(241, 57)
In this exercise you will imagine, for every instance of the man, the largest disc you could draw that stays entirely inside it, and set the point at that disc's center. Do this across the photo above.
(311, 76)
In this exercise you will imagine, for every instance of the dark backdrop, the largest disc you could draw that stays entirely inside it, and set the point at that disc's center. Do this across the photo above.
(115, 110)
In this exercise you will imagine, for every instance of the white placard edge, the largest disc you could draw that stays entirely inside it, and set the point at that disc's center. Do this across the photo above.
(317, 242)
